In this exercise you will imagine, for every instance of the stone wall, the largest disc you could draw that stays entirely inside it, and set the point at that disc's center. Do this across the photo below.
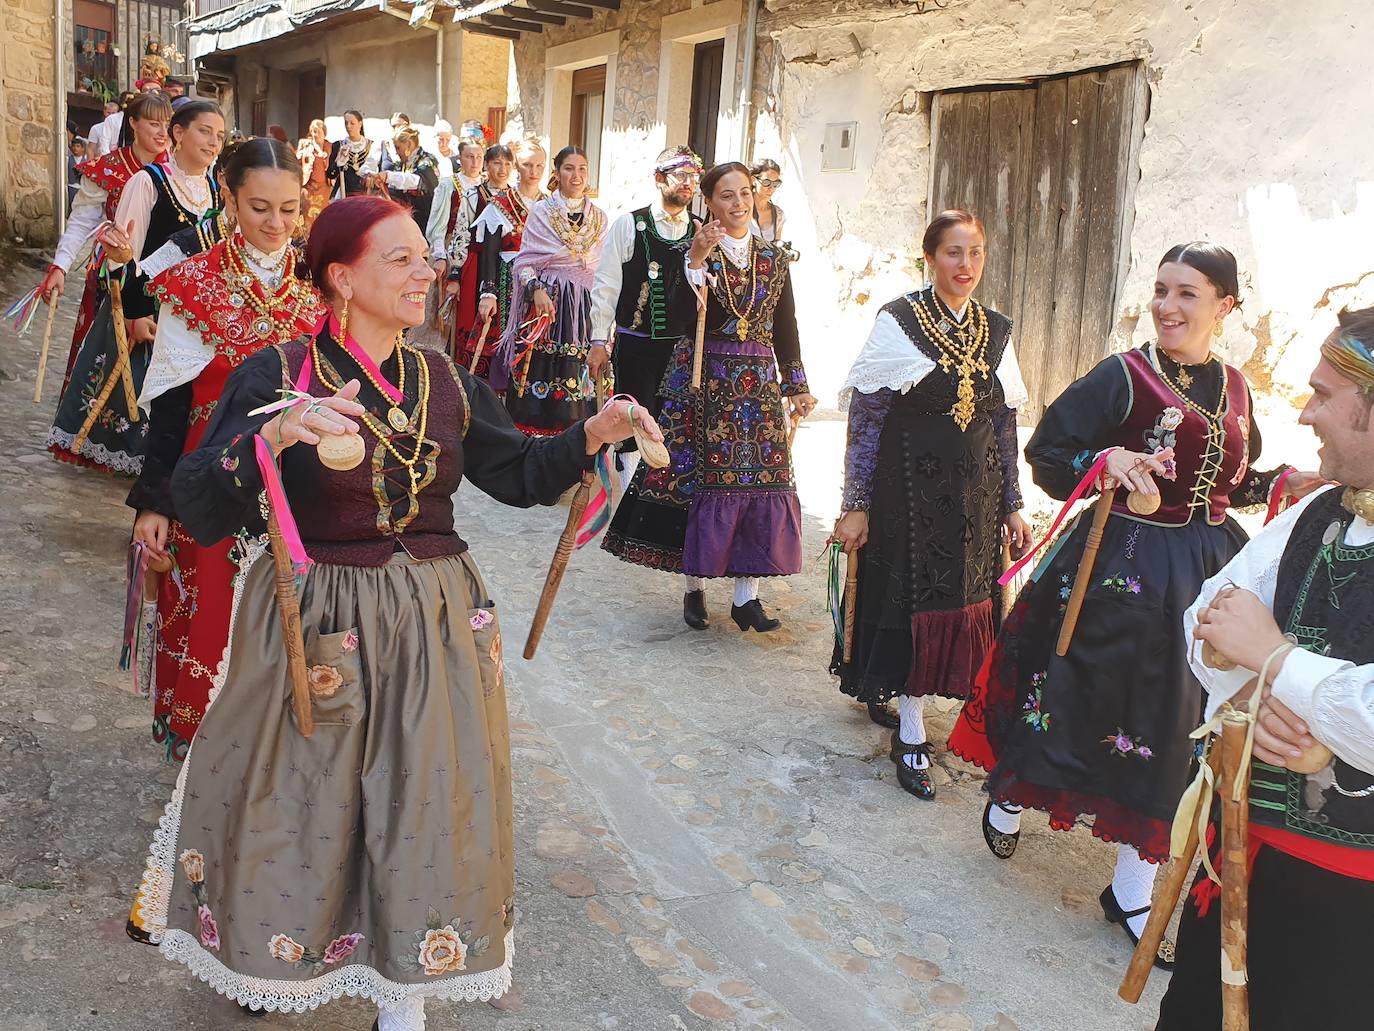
(29, 146)
(485, 75)
(1253, 140)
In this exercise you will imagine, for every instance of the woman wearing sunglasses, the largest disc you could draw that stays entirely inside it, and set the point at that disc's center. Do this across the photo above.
(768, 217)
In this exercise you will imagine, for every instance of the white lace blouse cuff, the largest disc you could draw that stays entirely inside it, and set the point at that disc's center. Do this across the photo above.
(695, 276)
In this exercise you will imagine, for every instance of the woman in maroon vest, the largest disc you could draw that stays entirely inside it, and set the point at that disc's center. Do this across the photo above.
(1103, 730)
(373, 857)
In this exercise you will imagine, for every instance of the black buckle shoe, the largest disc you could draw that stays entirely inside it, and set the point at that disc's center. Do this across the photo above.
(694, 610)
(750, 616)
(1003, 846)
(913, 781)
(880, 714)
(1114, 914)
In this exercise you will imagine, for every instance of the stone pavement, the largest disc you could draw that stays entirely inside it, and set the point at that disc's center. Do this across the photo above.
(708, 834)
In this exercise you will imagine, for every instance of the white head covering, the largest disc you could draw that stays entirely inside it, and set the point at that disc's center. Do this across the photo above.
(443, 125)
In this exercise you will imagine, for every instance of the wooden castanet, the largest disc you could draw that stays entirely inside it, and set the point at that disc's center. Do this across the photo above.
(851, 601)
(699, 344)
(1101, 510)
(559, 564)
(158, 565)
(43, 352)
(125, 366)
(1173, 883)
(481, 343)
(1235, 872)
(289, 610)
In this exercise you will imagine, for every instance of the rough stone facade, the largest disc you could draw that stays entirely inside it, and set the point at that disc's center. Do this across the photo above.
(29, 145)
(1251, 141)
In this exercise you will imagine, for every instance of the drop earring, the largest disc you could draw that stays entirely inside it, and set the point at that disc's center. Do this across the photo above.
(343, 324)
(1216, 330)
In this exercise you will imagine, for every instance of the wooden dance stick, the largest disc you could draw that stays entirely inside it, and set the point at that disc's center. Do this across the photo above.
(97, 406)
(1173, 884)
(794, 422)
(289, 609)
(1235, 872)
(559, 564)
(43, 352)
(125, 365)
(699, 348)
(851, 600)
(481, 343)
(1101, 511)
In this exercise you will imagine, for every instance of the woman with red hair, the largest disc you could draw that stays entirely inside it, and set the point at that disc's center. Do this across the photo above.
(374, 856)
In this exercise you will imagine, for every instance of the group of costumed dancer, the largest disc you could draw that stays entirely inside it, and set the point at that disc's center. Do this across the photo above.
(274, 399)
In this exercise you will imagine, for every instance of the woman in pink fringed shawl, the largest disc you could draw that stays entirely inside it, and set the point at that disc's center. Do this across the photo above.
(542, 357)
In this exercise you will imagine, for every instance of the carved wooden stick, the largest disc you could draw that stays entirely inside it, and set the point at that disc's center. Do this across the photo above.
(1235, 873)
(559, 564)
(851, 599)
(43, 352)
(121, 333)
(699, 349)
(481, 343)
(1101, 511)
(793, 423)
(1173, 884)
(289, 609)
(98, 406)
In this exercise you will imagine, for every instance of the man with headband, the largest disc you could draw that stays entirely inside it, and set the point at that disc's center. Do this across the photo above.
(643, 249)
(1297, 603)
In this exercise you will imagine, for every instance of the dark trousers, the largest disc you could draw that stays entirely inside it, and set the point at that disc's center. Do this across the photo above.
(1311, 953)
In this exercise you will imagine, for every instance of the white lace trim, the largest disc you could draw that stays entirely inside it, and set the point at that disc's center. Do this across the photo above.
(256, 549)
(492, 220)
(354, 980)
(890, 360)
(179, 356)
(119, 461)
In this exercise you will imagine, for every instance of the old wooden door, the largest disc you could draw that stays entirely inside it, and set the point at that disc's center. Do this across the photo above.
(1046, 166)
(310, 93)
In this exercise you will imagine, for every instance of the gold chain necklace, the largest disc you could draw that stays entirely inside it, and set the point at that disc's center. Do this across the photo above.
(579, 239)
(394, 415)
(966, 351)
(742, 318)
(357, 157)
(1177, 387)
(272, 310)
(378, 430)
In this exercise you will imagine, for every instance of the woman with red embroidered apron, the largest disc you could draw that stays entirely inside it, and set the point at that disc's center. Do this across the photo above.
(157, 202)
(1102, 731)
(374, 857)
(216, 310)
(102, 182)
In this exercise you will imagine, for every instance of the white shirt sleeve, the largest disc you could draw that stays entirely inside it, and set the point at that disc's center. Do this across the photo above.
(95, 142)
(88, 211)
(620, 245)
(136, 206)
(162, 259)
(695, 276)
(1334, 697)
(402, 181)
(179, 356)
(438, 219)
(1009, 375)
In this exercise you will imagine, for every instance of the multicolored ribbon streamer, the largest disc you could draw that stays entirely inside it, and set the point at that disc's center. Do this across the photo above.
(834, 588)
(1277, 501)
(598, 511)
(134, 571)
(23, 310)
(1084, 485)
(537, 326)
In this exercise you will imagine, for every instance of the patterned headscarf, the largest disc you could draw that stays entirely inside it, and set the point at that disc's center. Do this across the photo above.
(1351, 357)
(682, 157)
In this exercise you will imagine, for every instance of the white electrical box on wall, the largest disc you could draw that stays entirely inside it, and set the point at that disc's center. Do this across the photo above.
(837, 152)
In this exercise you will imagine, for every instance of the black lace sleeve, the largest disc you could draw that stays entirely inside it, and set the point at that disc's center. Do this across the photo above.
(1076, 426)
(1004, 426)
(152, 491)
(1255, 486)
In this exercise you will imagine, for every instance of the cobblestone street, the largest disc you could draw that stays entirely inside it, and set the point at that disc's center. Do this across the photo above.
(708, 833)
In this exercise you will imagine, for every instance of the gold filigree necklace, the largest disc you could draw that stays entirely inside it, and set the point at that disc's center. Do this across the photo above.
(963, 347)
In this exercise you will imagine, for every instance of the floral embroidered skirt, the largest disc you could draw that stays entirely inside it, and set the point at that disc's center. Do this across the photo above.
(115, 442)
(375, 857)
(726, 503)
(193, 608)
(549, 388)
(1103, 730)
(465, 333)
(91, 299)
(924, 618)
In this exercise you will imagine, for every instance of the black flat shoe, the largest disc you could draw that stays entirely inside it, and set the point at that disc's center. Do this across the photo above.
(1114, 914)
(913, 782)
(880, 714)
(694, 610)
(750, 616)
(1003, 846)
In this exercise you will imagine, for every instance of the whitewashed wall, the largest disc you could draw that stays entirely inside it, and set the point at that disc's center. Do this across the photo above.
(1257, 139)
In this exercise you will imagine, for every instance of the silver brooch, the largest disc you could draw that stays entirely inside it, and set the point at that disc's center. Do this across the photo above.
(1332, 532)
(640, 225)
(653, 270)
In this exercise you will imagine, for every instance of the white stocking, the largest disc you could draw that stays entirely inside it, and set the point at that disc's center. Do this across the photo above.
(696, 583)
(1133, 884)
(408, 1015)
(746, 590)
(913, 731)
(1002, 821)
